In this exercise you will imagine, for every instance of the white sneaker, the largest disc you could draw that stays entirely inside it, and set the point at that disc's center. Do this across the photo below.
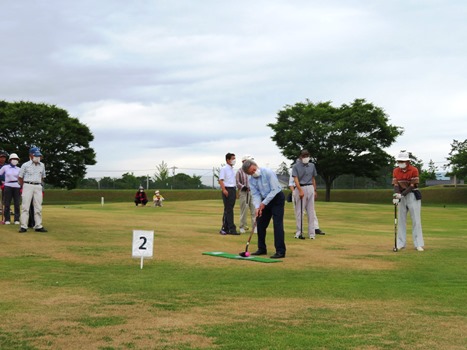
(242, 230)
(16, 222)
(312, 237)
(7, 222)
(420, 249)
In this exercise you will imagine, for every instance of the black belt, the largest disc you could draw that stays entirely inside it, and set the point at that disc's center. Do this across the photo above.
(305, 185)
(12, 182)
(32, 183)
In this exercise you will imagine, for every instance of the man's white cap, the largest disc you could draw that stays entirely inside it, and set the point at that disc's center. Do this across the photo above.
(403, 156)
(247, 157)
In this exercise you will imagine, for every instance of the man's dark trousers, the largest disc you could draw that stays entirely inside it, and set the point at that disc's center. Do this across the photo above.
(274, 210)
(229, 204)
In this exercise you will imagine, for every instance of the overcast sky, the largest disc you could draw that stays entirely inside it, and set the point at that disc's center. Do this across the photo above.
(187, 81)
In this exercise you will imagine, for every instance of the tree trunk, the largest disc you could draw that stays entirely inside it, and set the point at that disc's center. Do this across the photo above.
(328, 183)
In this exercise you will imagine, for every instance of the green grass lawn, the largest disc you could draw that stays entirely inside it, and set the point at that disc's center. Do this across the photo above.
(77, 287)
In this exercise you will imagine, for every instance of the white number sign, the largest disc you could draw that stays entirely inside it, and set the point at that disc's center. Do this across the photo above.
(143, 244)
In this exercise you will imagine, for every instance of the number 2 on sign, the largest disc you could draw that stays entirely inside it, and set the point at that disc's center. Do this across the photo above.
(142, 246)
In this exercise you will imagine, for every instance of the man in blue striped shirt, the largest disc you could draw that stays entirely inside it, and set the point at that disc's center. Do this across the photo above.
(269, 201)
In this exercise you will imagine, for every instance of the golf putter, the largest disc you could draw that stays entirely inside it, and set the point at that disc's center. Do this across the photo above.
(243, 254)
(395, 229)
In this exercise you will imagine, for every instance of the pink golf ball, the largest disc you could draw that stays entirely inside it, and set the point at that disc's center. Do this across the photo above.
(247, 253)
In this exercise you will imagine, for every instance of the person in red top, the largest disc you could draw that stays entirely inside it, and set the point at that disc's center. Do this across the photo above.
(408, 199)
(141, 197)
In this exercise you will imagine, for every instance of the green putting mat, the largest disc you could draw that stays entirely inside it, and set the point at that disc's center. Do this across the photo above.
(238, 257)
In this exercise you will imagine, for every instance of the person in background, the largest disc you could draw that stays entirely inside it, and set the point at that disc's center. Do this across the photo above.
(3, 157)
(407, 197)
(269, 201)
(31, 176)
(227, 183)
(141, 197)
(10, 172)
(157, 199)
(244, 195)
(304, 174)
(315, 217)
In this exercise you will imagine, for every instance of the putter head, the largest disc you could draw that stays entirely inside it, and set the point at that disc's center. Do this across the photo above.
(242, 254)
(395, 250)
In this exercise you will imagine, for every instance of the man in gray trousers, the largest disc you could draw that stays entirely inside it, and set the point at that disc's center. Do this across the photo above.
(304, 175)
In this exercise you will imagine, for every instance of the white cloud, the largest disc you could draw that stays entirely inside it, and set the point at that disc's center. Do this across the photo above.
(186, 81)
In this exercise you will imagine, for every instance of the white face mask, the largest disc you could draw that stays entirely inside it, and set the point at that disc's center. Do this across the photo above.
(36, 159)
(232, 162)
(402, 165)
(306, 160)
(14, 162)
(257, 173)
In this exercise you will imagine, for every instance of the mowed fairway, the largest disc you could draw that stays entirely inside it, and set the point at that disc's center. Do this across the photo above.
(77, 286)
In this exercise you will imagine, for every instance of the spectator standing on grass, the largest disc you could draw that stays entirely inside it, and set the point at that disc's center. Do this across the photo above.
(141, 197)
(228, 185)
(247, 208)
(407, 197)
(304, 173)
(269, 201)
(10, 172)
(31, 176)
(315, 217)
(3, 157)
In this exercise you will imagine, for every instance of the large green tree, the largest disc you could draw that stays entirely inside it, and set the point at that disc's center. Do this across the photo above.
(63, 140)
(458, 158)
(342, 140)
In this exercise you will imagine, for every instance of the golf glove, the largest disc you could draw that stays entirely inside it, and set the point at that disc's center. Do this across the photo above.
(395, 201)
(397, 196)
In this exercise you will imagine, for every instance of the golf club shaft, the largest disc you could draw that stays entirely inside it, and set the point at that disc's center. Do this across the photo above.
(251, 235)
(301, 216)
(395, 227)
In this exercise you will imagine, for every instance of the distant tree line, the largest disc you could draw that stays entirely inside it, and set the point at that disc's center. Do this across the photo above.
(130, 181)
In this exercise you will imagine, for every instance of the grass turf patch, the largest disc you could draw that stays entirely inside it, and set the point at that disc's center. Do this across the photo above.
(343, 290)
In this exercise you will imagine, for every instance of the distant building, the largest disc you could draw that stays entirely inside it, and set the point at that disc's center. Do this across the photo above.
(451, 181)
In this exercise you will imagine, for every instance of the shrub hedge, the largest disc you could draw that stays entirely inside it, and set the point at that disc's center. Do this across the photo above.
(431, 195)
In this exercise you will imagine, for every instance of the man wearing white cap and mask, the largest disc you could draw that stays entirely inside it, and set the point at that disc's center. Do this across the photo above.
(31, 175)
(244, 195)
(408, 199)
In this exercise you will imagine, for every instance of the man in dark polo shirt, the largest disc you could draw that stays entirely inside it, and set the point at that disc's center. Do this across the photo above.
(304, 174)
